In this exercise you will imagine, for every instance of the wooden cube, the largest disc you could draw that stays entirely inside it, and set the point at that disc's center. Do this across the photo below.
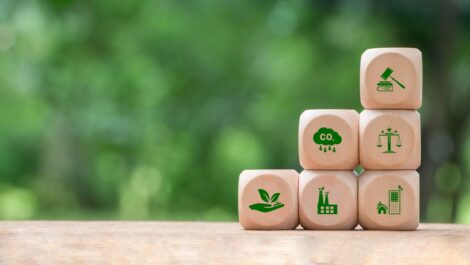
(268, 199)
(391, 78)
(389, 200)
(390, 139)
(328, 200)
(328, 139)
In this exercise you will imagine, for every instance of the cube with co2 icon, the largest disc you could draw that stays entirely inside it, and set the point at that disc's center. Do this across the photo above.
(328, 139)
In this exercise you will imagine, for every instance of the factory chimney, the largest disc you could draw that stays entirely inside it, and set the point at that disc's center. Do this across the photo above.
(320, 197)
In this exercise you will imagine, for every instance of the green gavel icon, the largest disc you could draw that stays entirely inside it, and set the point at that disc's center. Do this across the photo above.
(387, 73)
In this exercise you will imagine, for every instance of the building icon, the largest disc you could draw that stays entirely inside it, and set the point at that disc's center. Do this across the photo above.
(381, 208)
(323, 205)
(394, 203)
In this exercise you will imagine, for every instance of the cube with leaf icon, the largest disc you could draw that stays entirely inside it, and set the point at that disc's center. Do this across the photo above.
(267, 199)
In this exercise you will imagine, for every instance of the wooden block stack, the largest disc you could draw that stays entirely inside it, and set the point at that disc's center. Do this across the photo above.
(384, 139)
(328, 152)
(390, 138)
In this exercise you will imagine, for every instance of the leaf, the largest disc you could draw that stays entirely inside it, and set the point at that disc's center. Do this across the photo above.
(275, 197)
(264, 195)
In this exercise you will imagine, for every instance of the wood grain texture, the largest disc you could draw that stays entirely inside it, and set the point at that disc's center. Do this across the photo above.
(224, 243)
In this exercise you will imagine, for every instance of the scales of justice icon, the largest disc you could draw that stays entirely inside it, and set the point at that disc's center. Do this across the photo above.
(390, 136)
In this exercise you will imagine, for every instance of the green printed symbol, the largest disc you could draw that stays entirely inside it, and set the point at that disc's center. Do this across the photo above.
(389, 134)
(326, 138)
(323, 205)
(394, 203)
(271, 202)
(385, 85)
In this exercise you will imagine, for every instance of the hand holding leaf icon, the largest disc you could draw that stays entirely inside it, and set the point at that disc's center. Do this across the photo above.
(271, 202)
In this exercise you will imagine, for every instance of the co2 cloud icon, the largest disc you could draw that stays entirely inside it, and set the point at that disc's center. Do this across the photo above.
(326, 138)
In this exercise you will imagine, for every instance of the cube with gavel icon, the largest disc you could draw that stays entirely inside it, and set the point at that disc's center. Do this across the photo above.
(391, 78)
(385, 85)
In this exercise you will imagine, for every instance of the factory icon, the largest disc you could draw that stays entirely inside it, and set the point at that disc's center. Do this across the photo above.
(323, 205)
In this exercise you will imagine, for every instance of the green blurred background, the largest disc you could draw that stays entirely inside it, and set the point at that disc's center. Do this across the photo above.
(149, 110)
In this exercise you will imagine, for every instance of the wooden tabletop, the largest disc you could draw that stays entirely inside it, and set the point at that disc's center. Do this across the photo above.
(224, 243)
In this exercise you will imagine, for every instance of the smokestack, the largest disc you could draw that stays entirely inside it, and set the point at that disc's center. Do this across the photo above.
(320, 197)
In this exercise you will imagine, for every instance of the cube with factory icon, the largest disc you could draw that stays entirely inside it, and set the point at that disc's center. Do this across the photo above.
(327, 200)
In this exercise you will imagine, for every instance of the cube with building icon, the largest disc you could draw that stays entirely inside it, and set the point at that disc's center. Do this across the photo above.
(389, 199)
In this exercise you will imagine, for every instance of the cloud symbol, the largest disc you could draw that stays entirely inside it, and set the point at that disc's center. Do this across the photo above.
(327, 136)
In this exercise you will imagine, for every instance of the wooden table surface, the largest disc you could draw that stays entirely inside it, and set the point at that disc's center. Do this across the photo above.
(224, 243)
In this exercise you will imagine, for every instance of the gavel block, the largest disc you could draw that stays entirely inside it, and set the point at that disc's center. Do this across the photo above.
(389, 139)
(391, 78)
(268, 199)
(389, 200)
(328, 200)
(328, 139)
